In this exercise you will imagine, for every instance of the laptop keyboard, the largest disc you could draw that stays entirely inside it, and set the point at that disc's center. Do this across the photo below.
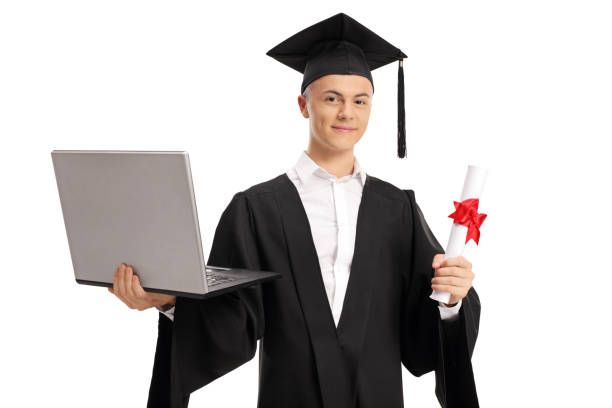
(214, 278)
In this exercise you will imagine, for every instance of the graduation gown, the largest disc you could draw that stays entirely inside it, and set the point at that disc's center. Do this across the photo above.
(304, 359)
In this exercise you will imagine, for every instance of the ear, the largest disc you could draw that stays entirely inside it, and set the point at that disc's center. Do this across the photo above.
(303, 106)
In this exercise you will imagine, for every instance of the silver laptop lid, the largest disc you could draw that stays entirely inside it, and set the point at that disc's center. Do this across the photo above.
(136, 207)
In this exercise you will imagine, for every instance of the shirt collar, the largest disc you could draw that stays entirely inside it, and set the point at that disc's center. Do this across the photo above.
(306, 168)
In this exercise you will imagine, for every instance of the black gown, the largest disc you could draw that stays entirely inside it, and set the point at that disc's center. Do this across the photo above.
(304, 360)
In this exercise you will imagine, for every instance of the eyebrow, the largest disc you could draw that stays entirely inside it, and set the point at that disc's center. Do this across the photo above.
(339, 94)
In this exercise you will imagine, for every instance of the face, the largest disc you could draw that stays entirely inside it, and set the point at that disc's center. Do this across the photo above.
(338, 110)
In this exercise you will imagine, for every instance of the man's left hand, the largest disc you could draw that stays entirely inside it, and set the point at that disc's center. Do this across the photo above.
(452, 275)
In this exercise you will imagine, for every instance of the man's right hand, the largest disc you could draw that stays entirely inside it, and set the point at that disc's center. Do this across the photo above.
(126, 286)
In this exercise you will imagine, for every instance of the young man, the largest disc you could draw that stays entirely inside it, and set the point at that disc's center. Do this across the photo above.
(357, 259)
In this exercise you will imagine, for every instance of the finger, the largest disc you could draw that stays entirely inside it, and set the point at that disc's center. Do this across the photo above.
(451, 271)
(116, 284)
(437, 260)
(120, 278)
(121, 286)
(457, 261)
(121, 298)
(136, 301)
(467, 264)
(127, 283)
(141, 298)
(115, 289)
(450, 280)
(138, 290)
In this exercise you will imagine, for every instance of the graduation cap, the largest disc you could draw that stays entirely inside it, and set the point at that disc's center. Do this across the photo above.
(341, 45)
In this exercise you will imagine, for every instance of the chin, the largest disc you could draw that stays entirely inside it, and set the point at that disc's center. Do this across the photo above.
(343, 147)
(341, 143)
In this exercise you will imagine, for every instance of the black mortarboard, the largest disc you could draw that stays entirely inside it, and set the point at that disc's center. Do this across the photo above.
(341, 45)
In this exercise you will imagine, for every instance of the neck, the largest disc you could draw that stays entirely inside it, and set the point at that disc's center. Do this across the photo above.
(338, 163)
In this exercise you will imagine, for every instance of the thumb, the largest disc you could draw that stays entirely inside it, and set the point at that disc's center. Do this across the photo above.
(437, 261)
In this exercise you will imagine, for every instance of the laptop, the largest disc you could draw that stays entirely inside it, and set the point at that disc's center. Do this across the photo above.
(138, 207)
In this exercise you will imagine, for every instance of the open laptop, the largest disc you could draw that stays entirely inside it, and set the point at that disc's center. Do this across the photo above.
(138, 207)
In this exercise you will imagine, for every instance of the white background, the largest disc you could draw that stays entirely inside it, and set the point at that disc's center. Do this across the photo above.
(522, 87)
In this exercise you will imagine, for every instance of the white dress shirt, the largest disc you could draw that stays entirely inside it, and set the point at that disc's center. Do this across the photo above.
(331, 205)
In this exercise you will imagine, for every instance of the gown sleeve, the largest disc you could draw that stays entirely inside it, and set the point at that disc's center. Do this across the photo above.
(429, 343)
(210, 337)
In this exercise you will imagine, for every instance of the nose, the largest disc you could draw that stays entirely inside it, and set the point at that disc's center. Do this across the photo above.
(345, 110)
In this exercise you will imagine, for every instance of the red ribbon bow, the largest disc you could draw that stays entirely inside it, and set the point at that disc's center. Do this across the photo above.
(466, 214)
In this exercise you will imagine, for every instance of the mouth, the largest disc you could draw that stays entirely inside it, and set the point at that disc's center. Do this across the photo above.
(343, 129)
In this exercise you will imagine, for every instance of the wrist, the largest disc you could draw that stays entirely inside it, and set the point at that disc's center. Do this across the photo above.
(168, 305)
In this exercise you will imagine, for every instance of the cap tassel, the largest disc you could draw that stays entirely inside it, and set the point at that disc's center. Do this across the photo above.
(401, 115)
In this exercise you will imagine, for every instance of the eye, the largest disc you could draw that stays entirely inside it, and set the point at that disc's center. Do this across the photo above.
(360, 102)
(330, 97)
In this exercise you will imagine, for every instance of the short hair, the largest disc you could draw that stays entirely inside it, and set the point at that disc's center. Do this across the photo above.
(306, 93)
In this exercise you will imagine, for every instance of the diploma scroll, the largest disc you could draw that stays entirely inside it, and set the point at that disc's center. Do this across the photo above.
(472, 189)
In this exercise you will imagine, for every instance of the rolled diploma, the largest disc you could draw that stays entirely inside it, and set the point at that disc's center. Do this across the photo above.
(472, 188)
